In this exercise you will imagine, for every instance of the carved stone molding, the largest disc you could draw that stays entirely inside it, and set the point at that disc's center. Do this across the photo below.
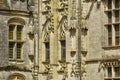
(63, 68)
(63, 24)
(75, 70)
(63, 7)
(48, 68)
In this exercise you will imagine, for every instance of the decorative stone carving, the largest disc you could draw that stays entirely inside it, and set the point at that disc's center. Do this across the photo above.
(31, 26)
(73, 9)
(62, 66)
(62, 29)
(48, 70)
(46, 37)
(48, 15)
(75, 71)
(63, 7)
(63, 69)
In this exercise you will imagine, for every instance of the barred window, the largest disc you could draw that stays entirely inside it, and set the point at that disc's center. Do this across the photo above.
(11, 49)
(113, 23)
(19, 32)
(15, 38)
(19, 47)
(11, 29)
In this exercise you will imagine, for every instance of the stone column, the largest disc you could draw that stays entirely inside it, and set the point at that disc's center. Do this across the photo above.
(36, 39)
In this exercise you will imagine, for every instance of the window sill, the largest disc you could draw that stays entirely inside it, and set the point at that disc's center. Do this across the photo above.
(106, 78)
(62, 61)
(12, 60)
(16, 60)
(111, 47)
(19, 60)
(21, 41)
(45, 62)
(107, 10)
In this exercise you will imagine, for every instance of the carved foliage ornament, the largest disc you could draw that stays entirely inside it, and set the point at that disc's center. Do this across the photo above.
(62, 28)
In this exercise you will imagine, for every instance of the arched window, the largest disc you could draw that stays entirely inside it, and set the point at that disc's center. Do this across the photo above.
(46, 40)
(62, 38)
(16, 26)
(16, 77)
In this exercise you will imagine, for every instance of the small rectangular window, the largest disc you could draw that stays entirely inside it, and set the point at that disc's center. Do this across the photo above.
(117, 71)
(110, 35)
(19, 32)
(19, 50)
(109, 14)
(109, 4)
(109, 71)
(63, 50)
(11, 50)
(116, 16)
(11, 31)
(117, 3)
(47, 51)
(117, 34)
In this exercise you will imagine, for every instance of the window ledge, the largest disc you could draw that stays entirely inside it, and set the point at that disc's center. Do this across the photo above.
(112, 77)
(19, 60)
(111, 47)
(12, 60)
(45, 62)
(16, 60)
(62, 61)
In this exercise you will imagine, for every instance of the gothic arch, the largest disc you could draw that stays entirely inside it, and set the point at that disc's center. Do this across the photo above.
(62, 28)
(16, 76)
(45, 31)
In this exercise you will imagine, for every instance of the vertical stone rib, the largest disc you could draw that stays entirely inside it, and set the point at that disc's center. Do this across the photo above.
(36, 39)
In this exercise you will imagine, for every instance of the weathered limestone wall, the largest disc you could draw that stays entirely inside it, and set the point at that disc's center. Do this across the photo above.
(95, 52)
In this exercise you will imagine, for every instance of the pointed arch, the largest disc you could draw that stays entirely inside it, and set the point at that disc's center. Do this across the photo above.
(62, 28)
(45, 31)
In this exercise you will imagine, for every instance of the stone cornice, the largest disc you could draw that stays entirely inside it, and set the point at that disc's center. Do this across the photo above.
(12, 68)
(14, 12)
(102, 59)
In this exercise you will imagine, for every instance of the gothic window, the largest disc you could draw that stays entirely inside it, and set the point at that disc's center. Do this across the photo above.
(47, 51)
(62, 38)
(63, 50)
(47, 45)
(113, 23)
(15, 39)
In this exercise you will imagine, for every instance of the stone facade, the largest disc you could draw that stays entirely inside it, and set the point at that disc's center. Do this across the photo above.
(59, 40)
